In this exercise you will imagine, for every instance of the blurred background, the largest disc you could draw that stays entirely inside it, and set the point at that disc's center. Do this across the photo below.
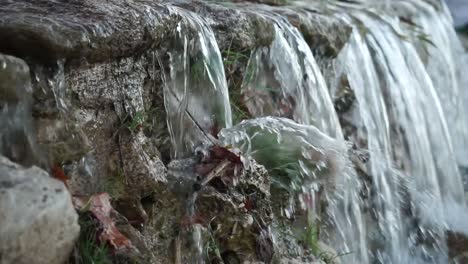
(459, 10)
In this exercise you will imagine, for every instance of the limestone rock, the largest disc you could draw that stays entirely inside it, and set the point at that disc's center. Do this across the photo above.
(95, 30)
(142, 167)
(38, 223)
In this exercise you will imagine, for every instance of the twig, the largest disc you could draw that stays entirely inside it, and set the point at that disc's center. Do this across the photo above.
(216, 172)
(210, 138)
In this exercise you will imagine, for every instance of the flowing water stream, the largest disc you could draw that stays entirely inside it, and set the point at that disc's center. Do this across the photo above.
(195, 93)
(404, 64)
(399, 100)
(283, 80)
(408, 109)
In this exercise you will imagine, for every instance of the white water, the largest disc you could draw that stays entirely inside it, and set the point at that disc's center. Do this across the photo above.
(293, 80)
(446, 66)
(409, 108)
(285, 78)
(399, 104)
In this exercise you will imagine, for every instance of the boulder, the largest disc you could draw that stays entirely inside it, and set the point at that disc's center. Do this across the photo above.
(38, 223)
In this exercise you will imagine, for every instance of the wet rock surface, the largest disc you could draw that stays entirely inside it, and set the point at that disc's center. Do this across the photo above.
(95, 30)
(38, 223)
(98, 112)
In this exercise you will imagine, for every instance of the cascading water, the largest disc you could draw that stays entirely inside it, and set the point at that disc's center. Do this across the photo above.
(375, 124)
(296, 86)
(409, 132)
(403, 63)
(444, 61)
(196, 100)
(195, 92)
(284, 80)
(403, 98)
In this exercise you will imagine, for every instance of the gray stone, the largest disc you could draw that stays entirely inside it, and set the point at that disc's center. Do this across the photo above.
(38, 223)
(94, 30)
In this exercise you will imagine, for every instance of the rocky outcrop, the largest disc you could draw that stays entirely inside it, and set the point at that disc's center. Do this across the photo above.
(38, 223)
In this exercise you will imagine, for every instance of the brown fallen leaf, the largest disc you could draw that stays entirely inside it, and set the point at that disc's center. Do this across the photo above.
(221, 153)
(100, 207)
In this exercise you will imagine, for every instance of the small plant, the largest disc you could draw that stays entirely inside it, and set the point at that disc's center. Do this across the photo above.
(238, 111)
(137, 121)
(311, 241)
(312, 238)
(417, 31)
(329, 257)
(88, 250)
(233, 61)
(212, 249)
(141, 120)
(197, 69)
(232, 57)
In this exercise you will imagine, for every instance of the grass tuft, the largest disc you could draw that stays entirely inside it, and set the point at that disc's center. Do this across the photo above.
(87, 248)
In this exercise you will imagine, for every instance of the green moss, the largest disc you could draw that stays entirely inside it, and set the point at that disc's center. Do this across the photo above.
(115, 185)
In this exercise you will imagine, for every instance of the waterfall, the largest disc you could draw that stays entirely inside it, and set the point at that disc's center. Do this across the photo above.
(197, 102)
(444, 55)
(408, 114)
(349, 140)
(400, 110)
(284, 80)
(195, 92)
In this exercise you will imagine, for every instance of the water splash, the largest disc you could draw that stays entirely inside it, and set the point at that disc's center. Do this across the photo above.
(195, 89)
(296, 155)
